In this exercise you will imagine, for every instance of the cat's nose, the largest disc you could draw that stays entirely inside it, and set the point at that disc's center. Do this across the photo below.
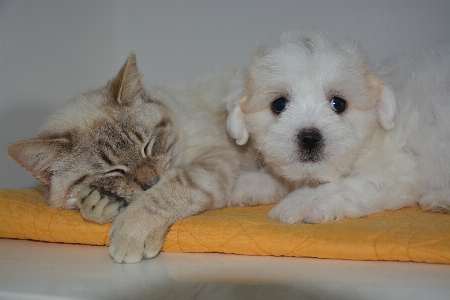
(145, 176)
(148, 184)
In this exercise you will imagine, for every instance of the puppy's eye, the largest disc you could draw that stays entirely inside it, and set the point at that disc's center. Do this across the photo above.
(279, 105)
(338, 105)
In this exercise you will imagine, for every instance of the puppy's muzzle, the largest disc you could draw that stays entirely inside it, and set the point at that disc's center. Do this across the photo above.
(311, 144)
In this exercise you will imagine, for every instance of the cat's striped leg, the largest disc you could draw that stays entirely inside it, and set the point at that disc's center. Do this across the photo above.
(139, 231)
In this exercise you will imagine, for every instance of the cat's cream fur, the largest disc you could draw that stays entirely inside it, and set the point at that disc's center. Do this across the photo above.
(165, 152)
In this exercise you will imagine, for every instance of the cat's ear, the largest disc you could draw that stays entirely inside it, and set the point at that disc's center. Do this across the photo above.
(127, 86)
(37, 155)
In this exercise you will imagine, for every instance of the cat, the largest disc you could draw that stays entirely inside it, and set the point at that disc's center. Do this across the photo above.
(141, 159)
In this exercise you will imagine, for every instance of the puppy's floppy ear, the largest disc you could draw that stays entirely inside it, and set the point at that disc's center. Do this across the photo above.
(386, 107)
(386, 104)
(235, 122)
(236, 125)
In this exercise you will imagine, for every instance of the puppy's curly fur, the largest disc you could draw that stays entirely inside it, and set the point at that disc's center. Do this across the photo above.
(337, 140)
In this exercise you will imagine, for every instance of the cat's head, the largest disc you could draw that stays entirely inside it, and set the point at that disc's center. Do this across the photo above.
(115, 138)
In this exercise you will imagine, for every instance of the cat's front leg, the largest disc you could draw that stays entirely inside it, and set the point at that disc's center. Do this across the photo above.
(97, 206)
(257, 187)
(138, 232)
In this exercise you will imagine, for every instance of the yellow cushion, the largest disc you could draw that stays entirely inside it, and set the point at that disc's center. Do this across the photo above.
(408, 234)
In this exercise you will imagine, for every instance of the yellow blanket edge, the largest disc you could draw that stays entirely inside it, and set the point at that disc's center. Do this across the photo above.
(408, 234)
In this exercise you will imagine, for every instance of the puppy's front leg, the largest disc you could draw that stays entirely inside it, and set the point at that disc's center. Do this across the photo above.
(351, 197)
(139, 231)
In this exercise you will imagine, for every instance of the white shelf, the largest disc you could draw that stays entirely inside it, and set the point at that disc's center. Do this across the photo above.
(37, 270)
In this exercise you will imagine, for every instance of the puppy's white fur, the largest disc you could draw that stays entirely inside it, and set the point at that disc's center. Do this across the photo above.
(388, 149)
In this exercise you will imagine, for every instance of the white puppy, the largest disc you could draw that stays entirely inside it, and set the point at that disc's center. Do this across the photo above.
(338, 141)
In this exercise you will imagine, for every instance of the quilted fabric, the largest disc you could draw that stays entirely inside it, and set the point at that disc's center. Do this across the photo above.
(404, 235)
(24, 215)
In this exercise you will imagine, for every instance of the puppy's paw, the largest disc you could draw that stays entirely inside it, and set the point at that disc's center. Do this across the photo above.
(436, 201)
(253, 188)
(137, 233)
(303, 207)
(97, 207)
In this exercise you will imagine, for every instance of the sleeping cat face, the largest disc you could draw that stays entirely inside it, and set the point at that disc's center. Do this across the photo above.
(116, 139)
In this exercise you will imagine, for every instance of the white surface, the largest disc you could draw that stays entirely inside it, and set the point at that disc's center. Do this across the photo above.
(36, 270)
(51, 50)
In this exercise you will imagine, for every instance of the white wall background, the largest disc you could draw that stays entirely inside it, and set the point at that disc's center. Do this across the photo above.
(52, 50)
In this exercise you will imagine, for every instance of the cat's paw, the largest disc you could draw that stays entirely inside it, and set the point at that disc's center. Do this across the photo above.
(98, 207)
(137, 233)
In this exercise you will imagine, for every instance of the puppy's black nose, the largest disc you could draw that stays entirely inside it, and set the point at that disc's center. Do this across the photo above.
(310, 138)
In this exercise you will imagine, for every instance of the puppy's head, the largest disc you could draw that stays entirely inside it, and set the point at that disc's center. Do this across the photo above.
(309, 106)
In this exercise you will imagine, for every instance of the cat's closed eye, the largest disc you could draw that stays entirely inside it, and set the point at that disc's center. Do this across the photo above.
(148, 147)
(117, 172)
(107, 159)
